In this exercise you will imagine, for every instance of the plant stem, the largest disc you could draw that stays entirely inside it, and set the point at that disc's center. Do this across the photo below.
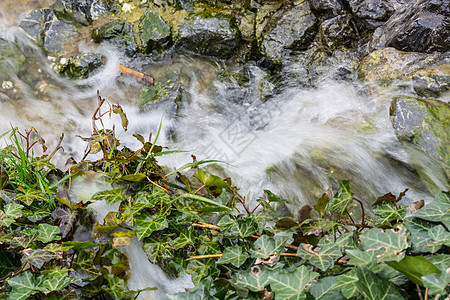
(419, 292)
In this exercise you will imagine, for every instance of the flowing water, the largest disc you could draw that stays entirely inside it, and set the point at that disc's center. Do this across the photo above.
(297, 143)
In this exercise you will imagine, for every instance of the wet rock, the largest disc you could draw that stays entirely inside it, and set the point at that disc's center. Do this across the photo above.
(432, 82)
(388, 64)
(119, 34)
(80, 66)
(423, 122)
(374, 13)
(154, 32)
(82, 11)
(215, 36)
(11, 61)
(37, 23)
(421, 26)
(327, 8)
(338, 32)
(294, 30)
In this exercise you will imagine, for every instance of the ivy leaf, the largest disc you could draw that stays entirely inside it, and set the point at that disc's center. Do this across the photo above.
(439, 235)
(341, 199)
(361, 258)
(37, 257)
(157, 250)
(323, 256)
(186, 237)
(200, 292)
(420, 239)
(414, 267)
(326, 289)
(268, 249)
(66, 219)
(48, 233)
(437, 211)
(110, 222)
(243, 228)
(233, 255)
(389, 244)
(225, 223)
(291, 285)
(386, 213)
(146, 224)
(12, 212)
(111, 196)
(375, 288)
(274, 198)
(255, 280)
(347, 283)
(55, 279)
(134, 177)
(23, 286)
(29, 195)
(322, 202)
(117, 287)
(437, 283)
(201, 270)
(122, 238)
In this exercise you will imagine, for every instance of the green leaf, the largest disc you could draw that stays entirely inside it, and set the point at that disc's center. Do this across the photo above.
(134, 177)
(200, 198)
(388, 244)
(122, 238)
(110, 222)
(386, 213)
(438, 283)
(291, 285)
(341, 199)
(37, 257)
(157, 250)
(55, 279)
(117, 287)
(200, 292)
(347, 283)
(81, 245)
(268, 249)
(274, 198)
(255, 280)
(225, 223)
(117, 109)
(439, 235)
(437, 211)
(322, 203)
(201, 270)
(23, 286)
(414, 267)
(361, 258)
(243, 228)
(375, 288)
(67, 219)
(29, 195)
(7, 263)
(233, 255)
(420, 239)
(146, 224)
(186, 237)
(326, 289)
(12, 212)
(323, 256)
(48, 233)
(111, 196)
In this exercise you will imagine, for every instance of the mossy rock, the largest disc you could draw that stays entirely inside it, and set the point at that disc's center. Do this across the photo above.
(11, 59)
(119, 34)
(424, 123)
(432, 82)
(154, 33)
(81, 66)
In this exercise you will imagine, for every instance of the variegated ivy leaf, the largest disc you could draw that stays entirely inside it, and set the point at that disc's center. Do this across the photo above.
(48, 233)
(225, 223)
(255, 279)
(436, 211)
(323, 256)
(146, 224)
(268, 249)
(37, 257)
(24, 285)
(186, 237)
(200, 292)
(7, 263)
(386, 213)
(375, 288)
(110, 196)
(202, 269)
(55, 279)
(342, 199)
(243, 228)
(388, 244)
(12, 212)
(122, 238)
(110, 222)
(29, 196)
(158, 249)
(291, 285)
(66, 218)
(420, 239)
(233, 255)
(439, 235)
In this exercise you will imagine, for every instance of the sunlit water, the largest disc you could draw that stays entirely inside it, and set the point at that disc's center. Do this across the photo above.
(297, 143)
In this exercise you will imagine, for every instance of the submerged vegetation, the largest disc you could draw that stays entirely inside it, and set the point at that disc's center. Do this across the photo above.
(200, 224)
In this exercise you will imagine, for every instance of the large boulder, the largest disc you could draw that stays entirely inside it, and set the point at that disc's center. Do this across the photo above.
(154, 32)
(215, 36)
(421, 26)
(117, 33)
(374, 13)
(424, 123)
(82, 11)
(293, 30)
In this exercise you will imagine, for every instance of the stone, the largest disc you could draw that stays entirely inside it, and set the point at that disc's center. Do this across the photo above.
(327, 8)
(37, 23)
(338, 32)
(81, 66)
(432, 82)
(294, 30)
(154, 32)
(117, 33)
(82, 11)
(374, 13)
(419, 26)
(424, 123)
(215, 36)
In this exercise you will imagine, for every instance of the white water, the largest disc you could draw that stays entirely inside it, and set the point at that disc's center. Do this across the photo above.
(309, 139)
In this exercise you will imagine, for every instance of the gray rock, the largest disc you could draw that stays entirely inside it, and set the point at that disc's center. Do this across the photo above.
(82, 11)
(432, 82)
(374, 13)
(119, 34)
(214, 36)
(422, 26)
(423, 122)
(338, 32)
(81, 66)
(327, 8)
(293, 31)
(59, 34)
(37, 23)
(154, 32)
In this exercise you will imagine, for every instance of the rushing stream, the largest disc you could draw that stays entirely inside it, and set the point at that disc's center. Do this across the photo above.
(297, 143)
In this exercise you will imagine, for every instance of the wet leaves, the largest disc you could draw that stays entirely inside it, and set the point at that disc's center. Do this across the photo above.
(66, 218)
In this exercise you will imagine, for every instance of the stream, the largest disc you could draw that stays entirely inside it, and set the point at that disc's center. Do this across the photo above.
(297, 142)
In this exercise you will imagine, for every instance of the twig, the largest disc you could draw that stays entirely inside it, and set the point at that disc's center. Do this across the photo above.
(14, 273)
(146, 79)
(419, 292)
(426, 294)
(242, 200)
(154, 183)
(363, 221)
(198, 190)
(57, 147)
(203, 257)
